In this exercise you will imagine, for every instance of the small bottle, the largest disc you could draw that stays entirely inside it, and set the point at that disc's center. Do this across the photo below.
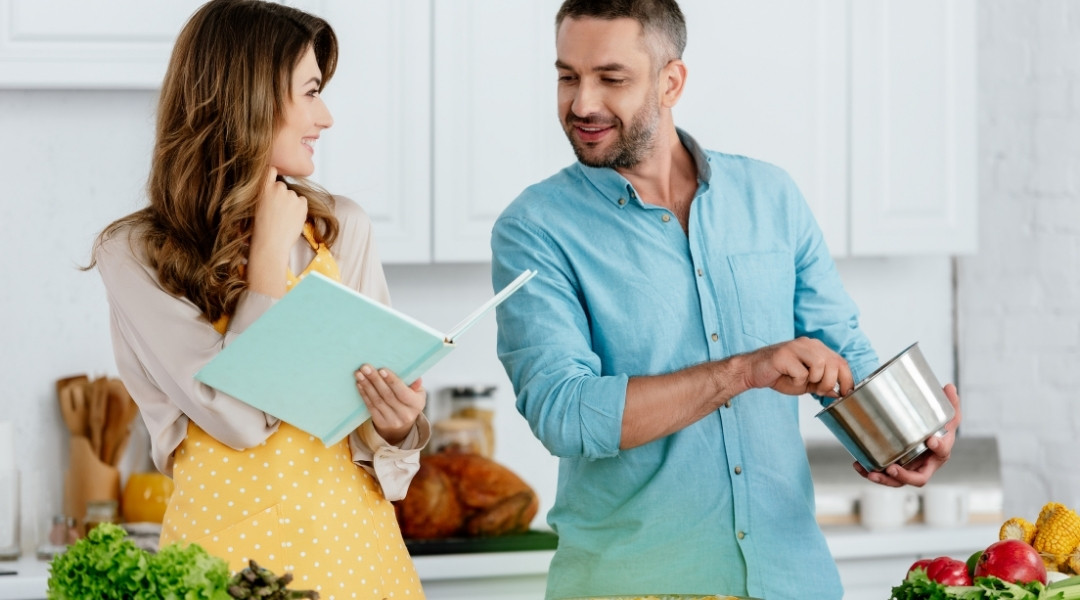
(100, 511)
(476, 402)
(59, 536)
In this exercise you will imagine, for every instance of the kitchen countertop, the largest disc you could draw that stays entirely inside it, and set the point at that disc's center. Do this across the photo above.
(855, 542)
(845, 543)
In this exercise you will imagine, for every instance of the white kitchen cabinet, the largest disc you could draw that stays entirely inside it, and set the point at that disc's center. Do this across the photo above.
(379, 150)
(913, 127)
(496, 121)
(768, 79)
(868, 104)
(96, 44)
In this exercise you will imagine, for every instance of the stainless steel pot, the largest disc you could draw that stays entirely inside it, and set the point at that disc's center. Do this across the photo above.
(890, 414)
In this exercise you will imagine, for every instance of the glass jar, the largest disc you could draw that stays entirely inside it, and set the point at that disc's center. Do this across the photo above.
(145, 497)
(100, 511)
(478, 403)
(460, 435)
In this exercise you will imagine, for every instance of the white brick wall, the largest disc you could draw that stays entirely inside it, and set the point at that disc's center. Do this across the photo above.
(1019, 297)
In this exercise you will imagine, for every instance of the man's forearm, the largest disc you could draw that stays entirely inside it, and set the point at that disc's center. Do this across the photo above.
(659, 405)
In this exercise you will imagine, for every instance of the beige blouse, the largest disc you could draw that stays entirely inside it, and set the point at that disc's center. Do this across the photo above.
(160, 341)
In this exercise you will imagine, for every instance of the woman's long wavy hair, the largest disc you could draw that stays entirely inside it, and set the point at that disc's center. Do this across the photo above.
(223, 97)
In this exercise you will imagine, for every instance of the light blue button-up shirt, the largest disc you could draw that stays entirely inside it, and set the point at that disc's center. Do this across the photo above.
(725, 505)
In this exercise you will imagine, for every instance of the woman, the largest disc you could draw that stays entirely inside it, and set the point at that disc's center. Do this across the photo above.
(231, 225)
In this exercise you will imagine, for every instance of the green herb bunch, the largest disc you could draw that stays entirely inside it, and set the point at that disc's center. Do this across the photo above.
(188, 573)
(106, 565)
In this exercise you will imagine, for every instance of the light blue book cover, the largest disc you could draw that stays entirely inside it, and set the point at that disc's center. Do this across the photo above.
(296, 361)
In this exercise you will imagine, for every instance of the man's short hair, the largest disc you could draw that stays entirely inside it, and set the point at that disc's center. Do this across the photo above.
(661, 19)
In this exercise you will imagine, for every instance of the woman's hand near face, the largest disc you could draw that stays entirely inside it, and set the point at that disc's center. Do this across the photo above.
(394, 406)
(279, 221)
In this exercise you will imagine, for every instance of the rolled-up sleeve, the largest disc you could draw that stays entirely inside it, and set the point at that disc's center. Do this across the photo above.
(393, 466)
(823, 309)
(573, 408)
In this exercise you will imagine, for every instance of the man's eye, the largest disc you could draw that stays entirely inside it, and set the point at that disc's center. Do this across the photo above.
(613, 80)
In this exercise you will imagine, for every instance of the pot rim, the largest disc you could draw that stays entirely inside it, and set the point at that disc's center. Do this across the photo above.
(866, 380)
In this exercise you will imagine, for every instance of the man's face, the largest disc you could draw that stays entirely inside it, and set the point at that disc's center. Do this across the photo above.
(608, 100)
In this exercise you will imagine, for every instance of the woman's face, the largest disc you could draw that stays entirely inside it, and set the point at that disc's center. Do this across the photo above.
(305, 117)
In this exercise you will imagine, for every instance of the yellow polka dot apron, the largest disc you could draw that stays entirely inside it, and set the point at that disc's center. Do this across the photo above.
(291, 504)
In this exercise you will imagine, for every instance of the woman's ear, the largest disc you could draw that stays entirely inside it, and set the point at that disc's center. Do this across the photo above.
(672, 82)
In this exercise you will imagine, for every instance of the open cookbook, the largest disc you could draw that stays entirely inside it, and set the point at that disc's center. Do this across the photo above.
(296, 361)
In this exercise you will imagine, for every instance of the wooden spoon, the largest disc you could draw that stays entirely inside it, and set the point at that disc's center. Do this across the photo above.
(78, 408)
(64, 382)
(98, 412)
(75, 422)
(122, 411)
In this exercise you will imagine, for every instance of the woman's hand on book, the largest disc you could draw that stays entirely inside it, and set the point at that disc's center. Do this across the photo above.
(394, 406)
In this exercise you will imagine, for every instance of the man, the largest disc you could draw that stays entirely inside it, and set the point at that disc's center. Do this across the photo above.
(684, 300)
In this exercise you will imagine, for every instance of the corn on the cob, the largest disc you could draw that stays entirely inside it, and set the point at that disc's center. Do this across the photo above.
(1057, 531)
(1017, 528)
(1047, 508)
(1072, 565)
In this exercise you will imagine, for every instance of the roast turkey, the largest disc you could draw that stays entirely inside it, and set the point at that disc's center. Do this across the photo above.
(458, 494)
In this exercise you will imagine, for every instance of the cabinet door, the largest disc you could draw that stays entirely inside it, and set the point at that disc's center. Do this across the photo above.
(496, 120)
(117, 44)
(768, 79)
(378, 151)
(913, 184)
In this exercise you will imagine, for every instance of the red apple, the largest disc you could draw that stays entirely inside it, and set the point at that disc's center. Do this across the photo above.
(920, 564)
(1014, 561)
(944, 570)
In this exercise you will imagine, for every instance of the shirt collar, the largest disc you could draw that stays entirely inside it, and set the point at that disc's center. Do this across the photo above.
(618, 190)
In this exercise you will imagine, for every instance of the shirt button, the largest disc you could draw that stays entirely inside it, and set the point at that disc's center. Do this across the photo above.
(665, 218)
(738, 470)
(715, 337)
(700, 272)
(740, 535)
(727, 404)
(622, 201)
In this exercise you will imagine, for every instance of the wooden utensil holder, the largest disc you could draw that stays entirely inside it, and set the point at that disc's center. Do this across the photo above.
(87, 479)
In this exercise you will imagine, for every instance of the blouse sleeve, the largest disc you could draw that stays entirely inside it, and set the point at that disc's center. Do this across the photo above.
(160, 341)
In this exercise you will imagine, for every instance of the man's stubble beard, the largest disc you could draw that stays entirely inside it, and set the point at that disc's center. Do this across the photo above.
(632, 145)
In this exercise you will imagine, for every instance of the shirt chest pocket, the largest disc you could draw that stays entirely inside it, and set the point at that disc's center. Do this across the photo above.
(765, 290)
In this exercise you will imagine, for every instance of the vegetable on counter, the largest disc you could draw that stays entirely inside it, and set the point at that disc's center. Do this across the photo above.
(260, 583)
(1030, 561)
(107, 565)
(1012, 560)
(1055, 535)
(917, 586)
(944, 570)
